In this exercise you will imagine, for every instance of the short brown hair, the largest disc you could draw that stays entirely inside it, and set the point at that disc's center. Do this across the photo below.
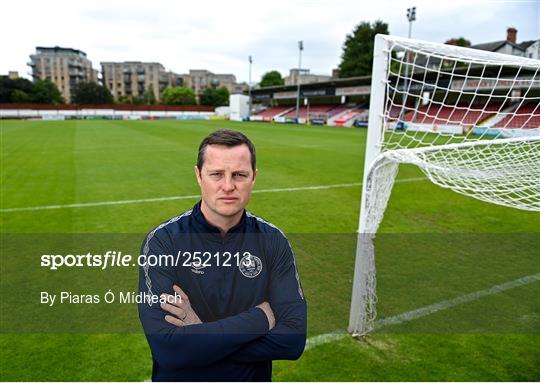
(228, 138)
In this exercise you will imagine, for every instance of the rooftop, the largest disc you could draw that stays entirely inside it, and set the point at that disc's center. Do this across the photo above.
(59, 50)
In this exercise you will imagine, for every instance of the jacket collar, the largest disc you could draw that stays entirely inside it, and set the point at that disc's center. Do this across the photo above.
(203, 226)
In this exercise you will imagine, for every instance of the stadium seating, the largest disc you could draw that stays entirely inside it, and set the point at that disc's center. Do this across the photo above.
(338, 109)
(325, 112)
(525, 116)
(460, 114)
(395, 111)
(313, 109)
(271, 112)
(347, 119)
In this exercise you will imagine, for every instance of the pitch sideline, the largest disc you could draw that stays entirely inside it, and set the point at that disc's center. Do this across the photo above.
(172, 198)
(427, 310)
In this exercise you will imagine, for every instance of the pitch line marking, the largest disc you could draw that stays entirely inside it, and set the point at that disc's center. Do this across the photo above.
(318, 340)
(446, 304)
(427, 310)
(179, 197)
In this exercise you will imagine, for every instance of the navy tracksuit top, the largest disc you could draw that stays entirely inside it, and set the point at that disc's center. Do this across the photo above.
(225, 278)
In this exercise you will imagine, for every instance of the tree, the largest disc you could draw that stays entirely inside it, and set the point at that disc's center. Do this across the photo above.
(124, 100)
(222, 96)
(149, 98)
(91, 93)
(127, 100)
(20, 96)
(178, 95)
(23, 90)
(15, 90)
(357, 56)
(46, 92)
(215, 97)
(272, 78)
(460, 42)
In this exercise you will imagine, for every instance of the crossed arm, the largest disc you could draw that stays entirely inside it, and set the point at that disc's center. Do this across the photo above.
(268, 331)
(182, 314)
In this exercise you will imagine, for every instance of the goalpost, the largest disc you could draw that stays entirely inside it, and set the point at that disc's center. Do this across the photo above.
(469, 119)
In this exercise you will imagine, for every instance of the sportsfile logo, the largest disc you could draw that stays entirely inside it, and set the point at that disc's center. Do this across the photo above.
(248, 264)
(111, 258)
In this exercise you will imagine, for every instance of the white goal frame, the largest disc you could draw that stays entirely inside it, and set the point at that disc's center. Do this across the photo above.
(363, 301)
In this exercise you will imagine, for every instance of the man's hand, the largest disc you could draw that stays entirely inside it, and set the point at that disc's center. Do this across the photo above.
(265, 306)
(180, 308)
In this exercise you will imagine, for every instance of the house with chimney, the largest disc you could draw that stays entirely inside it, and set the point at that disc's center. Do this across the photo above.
(510, 46)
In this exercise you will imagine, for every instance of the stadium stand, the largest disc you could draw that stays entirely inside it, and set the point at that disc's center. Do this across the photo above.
(395, 111)
(338, 109)
(274, 111)
(329, 110)
(525, 116)
(348, 118)
(449, 115)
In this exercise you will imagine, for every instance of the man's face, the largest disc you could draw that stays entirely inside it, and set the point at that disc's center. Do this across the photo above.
(226, 180)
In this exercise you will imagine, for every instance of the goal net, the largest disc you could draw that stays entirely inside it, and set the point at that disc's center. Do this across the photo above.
(469, 119)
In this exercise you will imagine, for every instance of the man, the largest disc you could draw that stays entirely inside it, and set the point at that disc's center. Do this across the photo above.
(232, 302)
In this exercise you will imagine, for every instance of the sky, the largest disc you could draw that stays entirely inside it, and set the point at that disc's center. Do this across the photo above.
(220, 35)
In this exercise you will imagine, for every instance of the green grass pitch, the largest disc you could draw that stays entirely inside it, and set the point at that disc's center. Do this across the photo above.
(434, 245)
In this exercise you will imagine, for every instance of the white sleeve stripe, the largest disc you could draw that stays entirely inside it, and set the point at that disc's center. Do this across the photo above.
(300, 292)
(146, 247)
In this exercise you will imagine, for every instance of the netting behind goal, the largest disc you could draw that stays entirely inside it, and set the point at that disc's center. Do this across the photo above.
(469, 119)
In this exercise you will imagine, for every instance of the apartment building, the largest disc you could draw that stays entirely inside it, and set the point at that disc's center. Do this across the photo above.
(304, 77)
(135, 78)
(65, 67)
(199, 79)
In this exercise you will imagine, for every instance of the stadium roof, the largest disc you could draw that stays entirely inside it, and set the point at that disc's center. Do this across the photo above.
(361, 86)
(336, 82)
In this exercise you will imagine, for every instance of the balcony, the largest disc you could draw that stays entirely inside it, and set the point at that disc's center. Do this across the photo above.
(140, 71)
